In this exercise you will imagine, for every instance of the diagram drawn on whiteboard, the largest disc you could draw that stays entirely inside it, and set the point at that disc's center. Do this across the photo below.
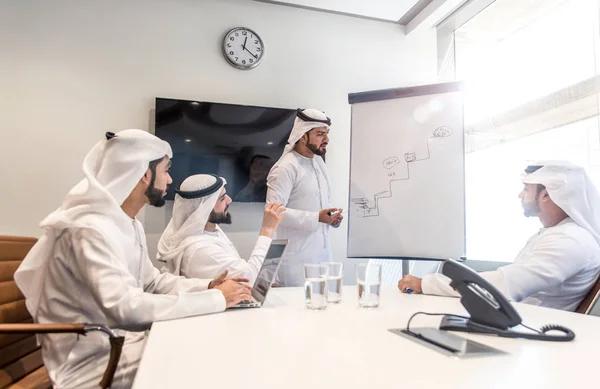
(396, 171)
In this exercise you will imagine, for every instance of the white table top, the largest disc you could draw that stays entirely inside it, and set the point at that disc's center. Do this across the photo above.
(285, 345)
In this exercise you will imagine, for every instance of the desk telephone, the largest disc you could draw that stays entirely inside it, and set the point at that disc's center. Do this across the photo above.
(490, 311)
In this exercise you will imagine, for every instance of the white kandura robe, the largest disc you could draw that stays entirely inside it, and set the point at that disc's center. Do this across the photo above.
(208, 254)
(556, 269)
(301, 184)
(102, 274)
(91, 266)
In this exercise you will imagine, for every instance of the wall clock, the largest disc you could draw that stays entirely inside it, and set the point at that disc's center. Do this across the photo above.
(243, 48)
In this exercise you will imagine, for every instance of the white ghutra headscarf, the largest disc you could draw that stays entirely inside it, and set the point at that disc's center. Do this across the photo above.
(572, 190)
(302, 125)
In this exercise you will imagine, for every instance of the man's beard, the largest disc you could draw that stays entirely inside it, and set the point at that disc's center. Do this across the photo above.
(316, 150)
(531, 209)
(156, 197)
(219, 218)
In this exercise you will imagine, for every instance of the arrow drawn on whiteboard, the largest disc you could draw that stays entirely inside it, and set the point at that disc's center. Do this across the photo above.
(362, 204)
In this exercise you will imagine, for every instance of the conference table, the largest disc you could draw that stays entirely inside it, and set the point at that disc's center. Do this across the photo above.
(285, 345)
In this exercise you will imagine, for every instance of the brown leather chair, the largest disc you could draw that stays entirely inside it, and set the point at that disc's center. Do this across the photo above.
(21, 365)
(590, 300)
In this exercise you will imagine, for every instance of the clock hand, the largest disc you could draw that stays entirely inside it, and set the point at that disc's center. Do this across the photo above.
(250, 53)
(244, 45)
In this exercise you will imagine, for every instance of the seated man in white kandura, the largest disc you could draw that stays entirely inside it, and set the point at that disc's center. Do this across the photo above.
(193, 244)
(91, 265)
(558, 265)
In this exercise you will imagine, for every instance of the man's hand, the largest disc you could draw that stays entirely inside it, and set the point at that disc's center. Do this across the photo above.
(221, 279)
(271, 219)
(336, 223)
(411, 282)
(334, 219)
(234, 292)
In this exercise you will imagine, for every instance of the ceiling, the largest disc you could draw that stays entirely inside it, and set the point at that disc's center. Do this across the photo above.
(503, 18)
(385, 10)
(402, 12)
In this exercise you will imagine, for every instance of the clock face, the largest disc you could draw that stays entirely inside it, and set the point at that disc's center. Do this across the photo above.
(242, 48)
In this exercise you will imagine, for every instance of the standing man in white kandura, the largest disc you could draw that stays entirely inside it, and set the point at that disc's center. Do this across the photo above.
(299, 181)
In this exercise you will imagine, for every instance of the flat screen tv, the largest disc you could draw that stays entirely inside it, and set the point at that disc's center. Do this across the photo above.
(238, 142)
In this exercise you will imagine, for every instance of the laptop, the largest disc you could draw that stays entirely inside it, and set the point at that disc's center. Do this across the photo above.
(266, 275)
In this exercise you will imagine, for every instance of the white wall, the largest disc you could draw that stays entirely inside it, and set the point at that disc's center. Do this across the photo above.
(72, 70)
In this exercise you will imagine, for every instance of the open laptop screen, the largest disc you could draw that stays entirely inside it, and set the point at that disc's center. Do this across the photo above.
(268, 271)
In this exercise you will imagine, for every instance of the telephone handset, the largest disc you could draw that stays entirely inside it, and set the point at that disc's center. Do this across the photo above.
(490, 311)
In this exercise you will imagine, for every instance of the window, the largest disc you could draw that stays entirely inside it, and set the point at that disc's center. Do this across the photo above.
(532, 87)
